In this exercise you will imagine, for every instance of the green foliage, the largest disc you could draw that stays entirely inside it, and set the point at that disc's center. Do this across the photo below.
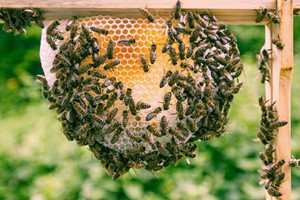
(37, 161)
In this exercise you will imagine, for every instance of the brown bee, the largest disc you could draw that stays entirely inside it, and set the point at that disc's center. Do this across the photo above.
(111, 115)
(70, 23)
(153, 53)
(260, 14)
(177, 9)
(173, 56)
(274, 16)
(116, 135)
(274, 192)
(111, 65)
(100, 31)
(278, 43)
(294, 162)
(110, 49)
(179, 109)
(125, 118)
(133, 137)
(163, 125)
(164, 80)
(181, 48)
(51, 28)
(190, 125)
(167, 99)
(190, 20)
(152, 130)
(195, 34)
(141, 105)
(81, 112)
(127, 42)
(51, 42)
(153, 114)
(146, 14)
(144, 64)
(132, 107)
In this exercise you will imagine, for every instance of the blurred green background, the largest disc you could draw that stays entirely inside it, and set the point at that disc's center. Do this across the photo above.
(37, 162)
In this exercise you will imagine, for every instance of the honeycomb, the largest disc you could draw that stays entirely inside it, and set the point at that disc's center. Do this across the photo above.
(148, 109)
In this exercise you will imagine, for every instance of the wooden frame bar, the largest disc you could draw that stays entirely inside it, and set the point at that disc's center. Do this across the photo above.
(230, 11)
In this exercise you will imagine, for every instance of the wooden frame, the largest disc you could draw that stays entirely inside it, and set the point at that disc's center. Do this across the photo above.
(230, 11)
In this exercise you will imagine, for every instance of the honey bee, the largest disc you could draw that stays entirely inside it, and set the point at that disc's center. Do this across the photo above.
(146, 14)
(73, 31)
(81, 112)
(180, 96)
(278, 43)
(133, 137)
(84, 68)
(179, 109)
(279, 179)
(100, 31)
(167, 99)
(177, 9)
(141, 105)
(260, 14)
(176, 134)
(164, 80)
(97, 74)
(190, 51)
(132, 107)
(166, 48)
(51, 42)
(274, 16)
(111, 65)
(116, 135)
(98, 119)
(269, 152)
(153, 53)
(51, 28)
(70, 23)
(190, 20)
(275, 167)
(144, 64)
(174, 77)
(173, 56)
(152, 130)
(127, 42)
(263, 158)
(294, 162)
(111, 100)
(163, 125)
(153, 114)
(111, 115)
(86, 33)
(274, 192)
(190, 125)
(110, 49)
(195, 34)
(128, 96)
(125, 118)
(262, 137)
(181, 48)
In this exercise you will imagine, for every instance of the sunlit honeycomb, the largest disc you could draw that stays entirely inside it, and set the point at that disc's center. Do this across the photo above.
(145, 88)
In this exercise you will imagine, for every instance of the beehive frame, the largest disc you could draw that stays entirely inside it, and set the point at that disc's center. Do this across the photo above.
(230, 11)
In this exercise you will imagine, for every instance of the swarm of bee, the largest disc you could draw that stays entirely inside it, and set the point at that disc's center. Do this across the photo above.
(263, 65)
(263, 13)
(15, 20)
(97, 106)
(271, 174)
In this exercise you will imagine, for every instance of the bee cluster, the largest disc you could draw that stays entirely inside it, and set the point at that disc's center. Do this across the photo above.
(141, 104)
(263, 13)
(271, 174)
(16, 19)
